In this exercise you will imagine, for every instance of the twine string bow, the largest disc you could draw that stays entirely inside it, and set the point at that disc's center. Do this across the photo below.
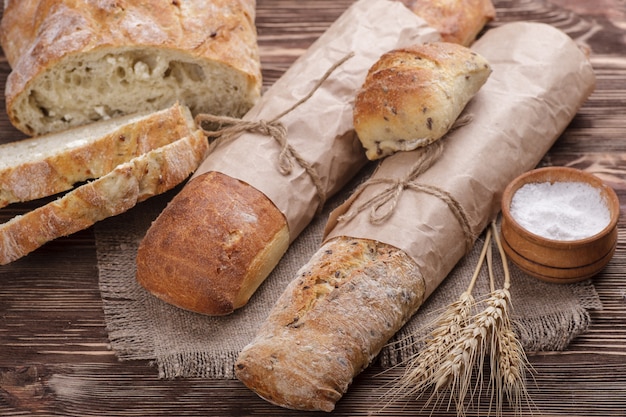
(383, 204)
(230, 127)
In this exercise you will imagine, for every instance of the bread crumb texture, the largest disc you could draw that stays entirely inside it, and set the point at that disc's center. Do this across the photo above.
(142, 177)
(49, 164)
(79, 61)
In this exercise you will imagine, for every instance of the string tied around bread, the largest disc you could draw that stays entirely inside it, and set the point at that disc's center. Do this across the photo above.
(229, 127)
(383, 204)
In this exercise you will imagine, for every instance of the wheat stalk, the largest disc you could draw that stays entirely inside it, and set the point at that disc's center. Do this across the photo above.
(457, 346)
(466, 359)
(509, 363)
(421, 369)
(509, 372)
(424, 370)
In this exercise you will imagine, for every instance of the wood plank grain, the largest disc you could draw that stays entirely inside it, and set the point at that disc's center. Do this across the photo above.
(54, 354)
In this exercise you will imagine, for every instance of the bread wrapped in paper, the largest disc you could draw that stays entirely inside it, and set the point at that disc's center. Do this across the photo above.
(457, 21)
(389, 246)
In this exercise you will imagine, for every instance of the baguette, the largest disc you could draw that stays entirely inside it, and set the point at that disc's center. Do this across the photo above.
(205, 281)
(412, 96)
(313, 342)
(50, 164)
(243, 238)
(77, 61)
(142, 177)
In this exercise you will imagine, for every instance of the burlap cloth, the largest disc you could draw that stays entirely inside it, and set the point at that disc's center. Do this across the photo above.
(185, 344)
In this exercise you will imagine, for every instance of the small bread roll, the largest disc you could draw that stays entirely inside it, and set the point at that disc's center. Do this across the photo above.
(412, 96)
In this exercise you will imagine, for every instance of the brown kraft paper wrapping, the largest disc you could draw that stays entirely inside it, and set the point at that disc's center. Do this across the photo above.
(539, 81)
(320, 129)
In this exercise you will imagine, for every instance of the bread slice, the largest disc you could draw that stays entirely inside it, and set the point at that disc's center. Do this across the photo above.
(50, 164)
(75, 62)
(142, 177)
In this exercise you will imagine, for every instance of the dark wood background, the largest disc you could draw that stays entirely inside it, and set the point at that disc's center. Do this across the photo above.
(55, 358)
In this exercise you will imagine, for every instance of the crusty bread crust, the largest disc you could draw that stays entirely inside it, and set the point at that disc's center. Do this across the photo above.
(142, 177)
(412, 96)
(77, 61)
(50, 164)
(458, 21)
(238, 236)
(310, 347)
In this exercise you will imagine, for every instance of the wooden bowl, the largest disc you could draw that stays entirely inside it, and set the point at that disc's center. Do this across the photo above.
(549, 259)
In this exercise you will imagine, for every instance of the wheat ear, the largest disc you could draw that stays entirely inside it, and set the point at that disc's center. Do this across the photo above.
(466, 359)
(426, 368)
(457, 346)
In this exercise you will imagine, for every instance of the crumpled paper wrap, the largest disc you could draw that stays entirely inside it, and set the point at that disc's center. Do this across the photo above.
(438, 200)
(320, 129)
(539, 81)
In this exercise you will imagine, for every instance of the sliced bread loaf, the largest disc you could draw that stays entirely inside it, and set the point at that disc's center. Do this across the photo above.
(142, 177)
(46, 165)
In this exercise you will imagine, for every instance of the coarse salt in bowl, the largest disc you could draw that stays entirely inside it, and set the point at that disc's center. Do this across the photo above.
(559, 224)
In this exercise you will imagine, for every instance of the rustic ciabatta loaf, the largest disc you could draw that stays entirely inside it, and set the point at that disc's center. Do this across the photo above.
(46, 165)
(457, 21)
(314, 319)
(412, 96)
(239, 238)
(77, 61)
(147, 175)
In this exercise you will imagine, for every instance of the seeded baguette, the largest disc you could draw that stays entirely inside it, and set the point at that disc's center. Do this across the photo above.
(128, 184)
(315, 319)
(50, 164)
(78, 61)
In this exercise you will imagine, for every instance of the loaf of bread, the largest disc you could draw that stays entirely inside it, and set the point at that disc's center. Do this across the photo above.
(458, 22)
(220, 277)
(412, 96)
(312, 343)
(50, 164)
(75, 62)
(243, 236)
(142, 177)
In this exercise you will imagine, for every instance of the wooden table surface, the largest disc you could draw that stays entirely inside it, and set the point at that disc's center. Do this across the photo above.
(55, 359)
